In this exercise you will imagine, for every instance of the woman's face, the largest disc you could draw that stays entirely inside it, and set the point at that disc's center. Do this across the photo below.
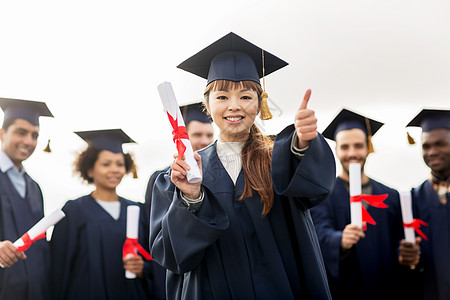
(234, 112)
(108, 170)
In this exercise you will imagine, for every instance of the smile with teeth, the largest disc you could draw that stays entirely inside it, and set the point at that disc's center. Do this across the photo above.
(234, 119)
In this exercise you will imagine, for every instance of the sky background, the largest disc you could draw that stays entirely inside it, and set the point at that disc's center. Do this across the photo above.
(97, 65)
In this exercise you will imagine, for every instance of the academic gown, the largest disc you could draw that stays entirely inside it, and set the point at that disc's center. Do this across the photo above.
(435, 253)
(27, 279)
(159, 273)
(86, 249)
(368, 271)
(228, 250)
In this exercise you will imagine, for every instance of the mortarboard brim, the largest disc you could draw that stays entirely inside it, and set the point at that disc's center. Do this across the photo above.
(430, 119)
(107, 139)
(194, 112)
(232, 58)
(346, 120)
(24, 109)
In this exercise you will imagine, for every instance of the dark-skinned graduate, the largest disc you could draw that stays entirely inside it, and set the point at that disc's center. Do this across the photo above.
(361, 264)
(431, 205)
(245, 230)
(87, 247)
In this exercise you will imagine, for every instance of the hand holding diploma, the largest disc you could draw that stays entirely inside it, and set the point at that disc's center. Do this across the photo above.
(359, 215)
(133, 263)
(409, 249)
(180, 136)
(36, 232)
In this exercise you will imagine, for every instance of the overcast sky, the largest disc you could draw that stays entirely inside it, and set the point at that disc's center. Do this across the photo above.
(97, 65)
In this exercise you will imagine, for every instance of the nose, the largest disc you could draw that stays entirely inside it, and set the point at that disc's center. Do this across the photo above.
(234, 104)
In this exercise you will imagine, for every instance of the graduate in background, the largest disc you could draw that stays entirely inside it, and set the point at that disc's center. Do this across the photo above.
(360, 264)
(24, 277)
(245, 231)
(201, 134)
(86, 246)
(431, 205)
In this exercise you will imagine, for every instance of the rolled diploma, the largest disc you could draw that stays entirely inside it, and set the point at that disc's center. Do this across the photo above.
(132, 231)
(407, 215)
(171, 106)
(41, 226)
(355, 189)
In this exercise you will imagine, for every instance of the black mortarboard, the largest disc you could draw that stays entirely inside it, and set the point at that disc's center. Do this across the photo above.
(232, 58)
(24, 109)
(108, 139)
(346, 120)
(430, 119)
(194, 112)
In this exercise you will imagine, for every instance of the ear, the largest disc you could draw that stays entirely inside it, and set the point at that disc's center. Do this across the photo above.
(2, 134)
(90, 173)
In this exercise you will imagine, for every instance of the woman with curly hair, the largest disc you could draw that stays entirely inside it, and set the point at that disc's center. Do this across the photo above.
(86, 246)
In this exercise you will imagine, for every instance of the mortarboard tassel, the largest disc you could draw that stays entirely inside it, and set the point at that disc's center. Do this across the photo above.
(134, 170)
(369, 137)
(47, 149)
(411, 140)
(265, 113)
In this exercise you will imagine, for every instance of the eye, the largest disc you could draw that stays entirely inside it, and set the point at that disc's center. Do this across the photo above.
(222, 97)
(246, 97)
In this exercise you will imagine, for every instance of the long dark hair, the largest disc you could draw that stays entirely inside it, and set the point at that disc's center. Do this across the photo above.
(256, 154)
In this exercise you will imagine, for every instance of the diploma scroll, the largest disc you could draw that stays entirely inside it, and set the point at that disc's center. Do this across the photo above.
(407, 215)
(355, 190)
(179, 131)
(38, 231)
(132, 232)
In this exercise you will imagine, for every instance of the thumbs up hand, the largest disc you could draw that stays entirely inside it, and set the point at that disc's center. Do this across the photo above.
(305, 123)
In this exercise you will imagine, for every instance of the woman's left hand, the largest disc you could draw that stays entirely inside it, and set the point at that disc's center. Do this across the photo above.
(305, 123)
(134, 265)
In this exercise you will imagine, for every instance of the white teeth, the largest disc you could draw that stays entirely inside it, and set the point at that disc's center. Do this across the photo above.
(234, 119)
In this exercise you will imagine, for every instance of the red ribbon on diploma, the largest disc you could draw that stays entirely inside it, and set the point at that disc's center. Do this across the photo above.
(179, 132)
(416, 224)
(131, 246)
(372, 200)
(27, 241)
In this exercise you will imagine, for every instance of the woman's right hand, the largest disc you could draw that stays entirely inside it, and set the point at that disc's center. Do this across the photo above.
(178, 176)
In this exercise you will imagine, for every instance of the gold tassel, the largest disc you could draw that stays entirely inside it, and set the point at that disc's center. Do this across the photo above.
(411, 140)
(265, 111)
(47, 149)
(369, 137)
(369, 144)
(134, 170)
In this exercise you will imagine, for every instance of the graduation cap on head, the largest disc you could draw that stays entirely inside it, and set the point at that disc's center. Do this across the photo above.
(430, 119)
(194, 112)
(235, 59)
(346, 120)
(24, 109)
(107, 139)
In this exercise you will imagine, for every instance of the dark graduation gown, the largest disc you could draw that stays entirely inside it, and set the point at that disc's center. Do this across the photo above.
(158, 272)
(228, 250)
(367, 272)
(86, 249)
(435, 253)
(27, 279)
